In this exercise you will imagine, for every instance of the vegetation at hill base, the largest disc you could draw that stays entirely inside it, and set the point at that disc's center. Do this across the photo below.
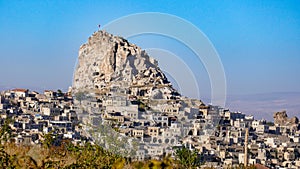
(58, 153)
(68, 156)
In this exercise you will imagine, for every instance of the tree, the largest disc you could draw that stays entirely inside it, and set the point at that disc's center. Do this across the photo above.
(49, 139)
(167, 162)
(80, 96)
(5, 130)
(5, 159)
(59, 93)
(187, 158)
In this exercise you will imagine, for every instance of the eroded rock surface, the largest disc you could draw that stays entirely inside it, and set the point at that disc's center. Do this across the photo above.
(106, 61)
(281, 119)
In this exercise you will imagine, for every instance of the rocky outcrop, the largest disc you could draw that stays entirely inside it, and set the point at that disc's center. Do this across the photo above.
(107, 61)
(281, 119)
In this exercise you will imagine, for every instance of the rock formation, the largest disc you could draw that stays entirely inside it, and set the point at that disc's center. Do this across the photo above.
(281, 119)
(106, 61)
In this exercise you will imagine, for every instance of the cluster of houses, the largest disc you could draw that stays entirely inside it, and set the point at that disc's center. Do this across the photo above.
(240, 139)
(32, 115)
(221, 138)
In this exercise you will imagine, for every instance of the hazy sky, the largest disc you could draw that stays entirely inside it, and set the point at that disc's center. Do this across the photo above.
(258, 41)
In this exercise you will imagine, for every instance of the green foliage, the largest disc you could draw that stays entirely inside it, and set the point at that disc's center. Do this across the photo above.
(6, 161)
(141, 106)
(49, 139)
(106, 136)
(5, 130)
(167, 162)
(187, 158)
(59, 93)
(80, 96)
(66, 155)
(94, 156)
(269, 123)
(241, 166)
(119, 164)
(69, 156)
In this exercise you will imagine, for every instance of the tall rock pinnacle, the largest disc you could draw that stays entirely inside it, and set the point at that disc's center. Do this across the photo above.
(106, 61)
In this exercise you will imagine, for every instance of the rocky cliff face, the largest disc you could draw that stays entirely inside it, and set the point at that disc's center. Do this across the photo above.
(281, 119)
(106, 61)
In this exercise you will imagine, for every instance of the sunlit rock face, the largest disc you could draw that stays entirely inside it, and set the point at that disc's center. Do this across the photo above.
(107, 60)
(281, 119)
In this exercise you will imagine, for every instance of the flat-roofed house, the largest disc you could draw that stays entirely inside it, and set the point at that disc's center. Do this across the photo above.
(20, 92)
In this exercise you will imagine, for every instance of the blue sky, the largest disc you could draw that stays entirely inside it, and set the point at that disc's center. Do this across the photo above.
(257, 41)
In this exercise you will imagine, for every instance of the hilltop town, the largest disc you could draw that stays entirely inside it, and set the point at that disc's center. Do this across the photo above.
(275, 144)
(121, 100)
(125, 88)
